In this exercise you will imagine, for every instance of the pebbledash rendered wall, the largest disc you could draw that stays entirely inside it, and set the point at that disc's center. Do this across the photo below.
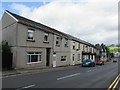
(16, 35)
(61, 50)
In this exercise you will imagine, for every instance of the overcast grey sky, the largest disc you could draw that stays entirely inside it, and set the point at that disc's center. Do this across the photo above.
(95, 21)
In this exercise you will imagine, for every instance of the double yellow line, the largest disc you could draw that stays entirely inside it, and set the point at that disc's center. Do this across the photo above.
(114, 83)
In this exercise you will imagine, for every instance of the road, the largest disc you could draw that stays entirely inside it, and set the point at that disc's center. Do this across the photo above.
(78, 77)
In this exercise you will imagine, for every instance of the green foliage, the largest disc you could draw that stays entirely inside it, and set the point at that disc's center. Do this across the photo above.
(5, 47)
(114, 48)
(97, 44)
(112, 55)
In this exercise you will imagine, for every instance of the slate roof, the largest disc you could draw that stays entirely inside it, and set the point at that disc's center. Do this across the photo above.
(45, 28)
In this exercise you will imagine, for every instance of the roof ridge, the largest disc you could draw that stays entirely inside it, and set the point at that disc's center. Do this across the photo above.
(28, 21)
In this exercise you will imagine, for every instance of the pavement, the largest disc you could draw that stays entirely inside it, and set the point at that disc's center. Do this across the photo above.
(65, 77)
(34, 70)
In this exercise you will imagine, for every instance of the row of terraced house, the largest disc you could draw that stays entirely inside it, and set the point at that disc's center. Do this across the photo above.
(37, 45)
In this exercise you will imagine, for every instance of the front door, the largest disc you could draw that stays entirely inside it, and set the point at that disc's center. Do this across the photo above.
(47, 56)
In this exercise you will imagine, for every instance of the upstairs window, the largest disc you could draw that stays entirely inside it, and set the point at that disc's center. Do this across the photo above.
(66, 42)
(46, 37)
(57, 41)
(30, 34)
(90, 49)
(73, 45)
(79, 46)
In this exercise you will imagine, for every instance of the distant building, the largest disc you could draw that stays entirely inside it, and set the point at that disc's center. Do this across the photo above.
(116, 54)
(102, 52)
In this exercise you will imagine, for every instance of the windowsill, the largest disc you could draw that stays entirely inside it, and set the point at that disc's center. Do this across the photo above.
(45, 41)
(31, 40)
(58, 45)
(64, 61)
(34, 62)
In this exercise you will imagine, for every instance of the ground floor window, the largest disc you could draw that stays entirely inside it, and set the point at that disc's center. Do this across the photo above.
(34, 57)
(63, 58)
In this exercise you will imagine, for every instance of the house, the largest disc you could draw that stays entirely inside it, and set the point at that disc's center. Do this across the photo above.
(36, 45)
(116, 54)
(75, 51)
(102, 52)
(61, 49)
(31, 42)
(80, 50)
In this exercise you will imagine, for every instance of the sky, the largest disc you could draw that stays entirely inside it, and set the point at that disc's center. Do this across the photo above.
(94, 21)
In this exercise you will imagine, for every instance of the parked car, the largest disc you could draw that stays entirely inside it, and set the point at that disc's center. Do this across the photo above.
(88, 62)
(114, 60)
(100, 63)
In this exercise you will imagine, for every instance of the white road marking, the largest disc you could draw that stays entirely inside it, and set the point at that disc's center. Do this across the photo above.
(26, 87)
(68, 76)
(89, 71)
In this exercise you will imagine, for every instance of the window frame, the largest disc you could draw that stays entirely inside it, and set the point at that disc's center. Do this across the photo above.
(34, 53)
(66, 43)
(28, 32)
(73, 46)
(64, 58)
(46, 34)
(57, 40)
(78, 57)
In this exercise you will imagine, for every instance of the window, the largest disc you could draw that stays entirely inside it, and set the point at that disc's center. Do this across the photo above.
(73, 45)
(83, 48)
(90, 49)
(30, 34)
(63, 58)
(34, 57)
(79, 46)
(46, 37)
(86, 48)
(78, 57)
(66, 42)
(57, 41)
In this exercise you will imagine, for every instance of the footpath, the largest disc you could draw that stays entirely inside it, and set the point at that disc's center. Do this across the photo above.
(34, 70)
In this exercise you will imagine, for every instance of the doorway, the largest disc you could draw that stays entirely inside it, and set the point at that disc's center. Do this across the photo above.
(48, 56)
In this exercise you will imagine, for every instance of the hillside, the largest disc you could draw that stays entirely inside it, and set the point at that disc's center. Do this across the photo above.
(114, 48)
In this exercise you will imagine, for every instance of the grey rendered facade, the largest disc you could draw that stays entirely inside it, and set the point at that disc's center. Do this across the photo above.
(36, 45)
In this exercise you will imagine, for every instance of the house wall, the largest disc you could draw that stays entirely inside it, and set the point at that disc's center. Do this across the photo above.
(24, 46)
(21, 60)
(9, 26)
(38, 37)
(75, 52)
(7, 20)
(61, 51)
(16, 35)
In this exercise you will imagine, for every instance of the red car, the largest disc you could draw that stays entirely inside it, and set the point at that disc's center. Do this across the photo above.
(100, 63)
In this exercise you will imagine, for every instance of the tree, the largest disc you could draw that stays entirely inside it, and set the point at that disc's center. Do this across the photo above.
(5, 47)
(112, 55)
(97, 44)
(108, 52)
